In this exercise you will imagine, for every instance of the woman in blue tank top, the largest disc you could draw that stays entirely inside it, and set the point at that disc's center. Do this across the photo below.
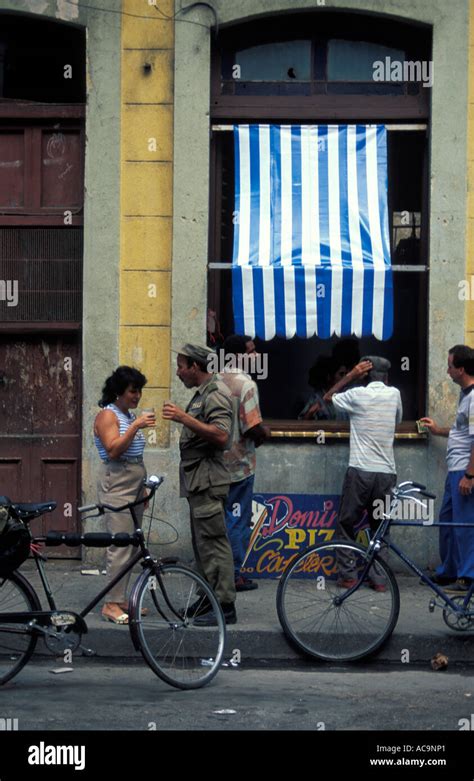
(120, 442)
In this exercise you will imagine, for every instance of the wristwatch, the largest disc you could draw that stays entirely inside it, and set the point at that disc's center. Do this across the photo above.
(469, 477)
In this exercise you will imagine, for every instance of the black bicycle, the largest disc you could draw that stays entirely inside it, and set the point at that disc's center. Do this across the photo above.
(164, 601)
(339, 601)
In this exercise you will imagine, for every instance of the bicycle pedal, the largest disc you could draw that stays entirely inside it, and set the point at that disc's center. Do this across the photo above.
(432, 605)
(87, 651)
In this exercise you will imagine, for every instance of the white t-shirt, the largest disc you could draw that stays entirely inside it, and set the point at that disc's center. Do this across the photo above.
(374, 412)
(461, 436)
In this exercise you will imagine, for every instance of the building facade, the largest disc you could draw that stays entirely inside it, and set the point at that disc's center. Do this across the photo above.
(152, 125)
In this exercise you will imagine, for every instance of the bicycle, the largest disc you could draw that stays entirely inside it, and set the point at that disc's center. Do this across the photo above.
(339, 601)
(163, 602)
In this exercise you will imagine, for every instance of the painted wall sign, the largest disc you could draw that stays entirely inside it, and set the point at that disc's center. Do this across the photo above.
(285, 524)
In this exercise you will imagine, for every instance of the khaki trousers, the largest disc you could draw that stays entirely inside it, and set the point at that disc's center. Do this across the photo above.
(212, 551)
(120, 482)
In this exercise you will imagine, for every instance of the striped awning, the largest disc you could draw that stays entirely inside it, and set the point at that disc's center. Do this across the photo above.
(311, 238)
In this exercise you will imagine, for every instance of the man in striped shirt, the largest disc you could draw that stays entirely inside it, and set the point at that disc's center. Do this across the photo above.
(374, 411)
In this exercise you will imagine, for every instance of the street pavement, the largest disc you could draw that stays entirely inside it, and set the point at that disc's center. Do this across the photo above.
(257, 634)
(99, 695)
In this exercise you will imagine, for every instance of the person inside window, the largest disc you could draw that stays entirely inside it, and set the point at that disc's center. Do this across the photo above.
(322, 376)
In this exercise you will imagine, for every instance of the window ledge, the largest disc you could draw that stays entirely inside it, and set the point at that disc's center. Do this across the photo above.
(325, 430)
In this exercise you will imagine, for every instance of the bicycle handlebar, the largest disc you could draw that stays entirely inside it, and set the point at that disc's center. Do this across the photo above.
(153, 483)
(402, 490)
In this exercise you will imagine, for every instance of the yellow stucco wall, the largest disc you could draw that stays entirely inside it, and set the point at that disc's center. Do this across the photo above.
(146, 198)
(470, 195)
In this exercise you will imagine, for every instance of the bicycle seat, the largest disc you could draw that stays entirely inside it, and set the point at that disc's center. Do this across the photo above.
(29, 511)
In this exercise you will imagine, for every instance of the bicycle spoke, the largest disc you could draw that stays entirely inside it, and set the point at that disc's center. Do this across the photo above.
(179, 651)
(17, 642)
(319, 623)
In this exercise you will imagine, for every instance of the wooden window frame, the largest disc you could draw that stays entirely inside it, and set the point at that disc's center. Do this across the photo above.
(33, 120)
(403, 110)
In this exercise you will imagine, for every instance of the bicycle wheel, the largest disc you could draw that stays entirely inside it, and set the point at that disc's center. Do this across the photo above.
(179, 652)
(17, 642)
(316, 616)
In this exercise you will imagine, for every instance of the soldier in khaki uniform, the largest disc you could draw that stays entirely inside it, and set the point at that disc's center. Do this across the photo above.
(204, 477)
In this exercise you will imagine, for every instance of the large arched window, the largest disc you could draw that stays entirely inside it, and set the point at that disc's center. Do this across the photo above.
(329, 68)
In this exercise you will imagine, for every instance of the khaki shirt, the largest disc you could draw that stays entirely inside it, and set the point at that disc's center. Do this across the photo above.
(202, 463)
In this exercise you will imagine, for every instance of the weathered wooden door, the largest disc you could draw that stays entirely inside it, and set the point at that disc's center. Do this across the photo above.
(40, 424)
(41, 247)
(42, 142)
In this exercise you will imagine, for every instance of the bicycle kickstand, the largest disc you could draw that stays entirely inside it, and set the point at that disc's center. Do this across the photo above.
(87, 651)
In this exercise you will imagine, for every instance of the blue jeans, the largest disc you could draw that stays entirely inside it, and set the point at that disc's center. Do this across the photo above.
(456, 545)
(238, 516)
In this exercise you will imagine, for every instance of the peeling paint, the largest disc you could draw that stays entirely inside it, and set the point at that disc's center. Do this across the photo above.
(37, 6)
(66, 10)
(56, 161)
(68, 168)
(56, 145)
(89, 78)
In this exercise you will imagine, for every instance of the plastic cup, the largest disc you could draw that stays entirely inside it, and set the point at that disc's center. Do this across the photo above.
(149, 411)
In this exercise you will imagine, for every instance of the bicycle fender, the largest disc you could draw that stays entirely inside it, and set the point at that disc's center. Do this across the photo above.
(133, 602)
(19, 578)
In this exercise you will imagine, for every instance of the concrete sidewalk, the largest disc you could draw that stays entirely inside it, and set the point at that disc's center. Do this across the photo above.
(258, 635)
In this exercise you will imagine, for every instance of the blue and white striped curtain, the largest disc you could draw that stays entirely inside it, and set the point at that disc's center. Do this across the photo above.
(311, 238)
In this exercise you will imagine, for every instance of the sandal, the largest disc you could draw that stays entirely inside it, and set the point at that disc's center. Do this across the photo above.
(120, 619)
(144, 611)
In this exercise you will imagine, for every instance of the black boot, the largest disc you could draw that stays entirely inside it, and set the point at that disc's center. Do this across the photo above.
(199, 608)
(210, 619)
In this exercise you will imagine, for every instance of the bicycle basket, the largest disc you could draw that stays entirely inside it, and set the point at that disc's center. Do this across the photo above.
(14, 542)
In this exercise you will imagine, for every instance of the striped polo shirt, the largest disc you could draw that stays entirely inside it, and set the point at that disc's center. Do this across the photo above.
(461, 435)
(373, 412)
(137, 444)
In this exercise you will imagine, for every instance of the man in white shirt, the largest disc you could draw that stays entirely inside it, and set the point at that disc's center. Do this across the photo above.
(374, 411)
(457, 542)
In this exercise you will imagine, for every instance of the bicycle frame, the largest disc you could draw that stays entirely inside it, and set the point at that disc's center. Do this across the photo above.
(162, 609)
(379, 538)
(43, 617)
(434, 586)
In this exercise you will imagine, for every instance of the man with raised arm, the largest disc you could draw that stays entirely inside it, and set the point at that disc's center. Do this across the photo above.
(456, 545)
(374, 411)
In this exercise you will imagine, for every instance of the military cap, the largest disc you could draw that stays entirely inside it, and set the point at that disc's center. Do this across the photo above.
(197, 352)
(378, 364)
